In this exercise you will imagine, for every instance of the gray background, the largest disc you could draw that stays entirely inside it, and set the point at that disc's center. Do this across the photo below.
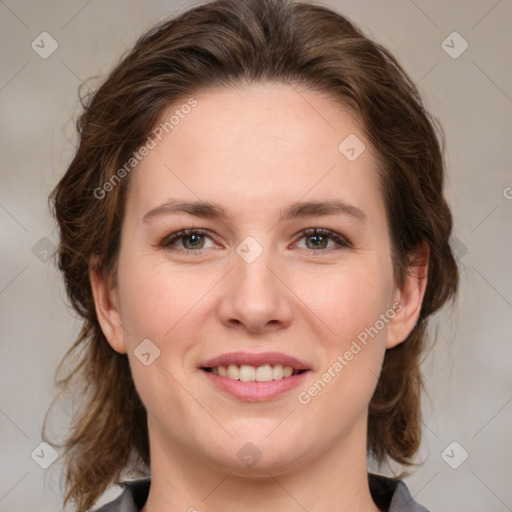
(468, 375)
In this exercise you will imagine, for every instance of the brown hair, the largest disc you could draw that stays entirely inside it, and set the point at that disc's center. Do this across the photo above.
(229, 43)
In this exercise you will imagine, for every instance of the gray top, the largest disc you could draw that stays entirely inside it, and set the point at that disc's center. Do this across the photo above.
(388, 494)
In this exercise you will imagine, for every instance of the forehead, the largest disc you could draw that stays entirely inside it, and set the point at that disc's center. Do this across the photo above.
(258, 145)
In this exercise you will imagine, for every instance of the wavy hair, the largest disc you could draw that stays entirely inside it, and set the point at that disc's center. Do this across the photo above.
(232, 43)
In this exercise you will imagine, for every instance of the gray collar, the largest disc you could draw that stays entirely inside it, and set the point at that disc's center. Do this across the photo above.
(389, 494)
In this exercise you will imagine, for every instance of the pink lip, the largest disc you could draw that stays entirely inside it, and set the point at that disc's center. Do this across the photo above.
(255, 391)
(240, 358)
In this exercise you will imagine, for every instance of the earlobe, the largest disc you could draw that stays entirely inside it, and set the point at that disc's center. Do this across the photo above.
(107, 308)
(409, 298)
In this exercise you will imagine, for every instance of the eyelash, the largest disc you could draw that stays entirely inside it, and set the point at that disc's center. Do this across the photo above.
(167, 241)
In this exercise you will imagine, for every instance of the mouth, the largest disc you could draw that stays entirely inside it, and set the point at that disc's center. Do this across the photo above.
(254, 377)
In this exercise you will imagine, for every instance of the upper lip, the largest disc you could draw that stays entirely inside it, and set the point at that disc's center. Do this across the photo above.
(250, 359)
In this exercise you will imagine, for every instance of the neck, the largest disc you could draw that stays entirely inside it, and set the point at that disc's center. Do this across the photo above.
(333, 481)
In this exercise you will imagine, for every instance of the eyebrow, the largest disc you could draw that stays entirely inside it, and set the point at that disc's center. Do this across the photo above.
(295, 210)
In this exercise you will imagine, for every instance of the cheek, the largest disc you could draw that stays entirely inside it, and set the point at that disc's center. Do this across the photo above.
(349, 306)
(346, 299)
(156, 298)
(158, 303)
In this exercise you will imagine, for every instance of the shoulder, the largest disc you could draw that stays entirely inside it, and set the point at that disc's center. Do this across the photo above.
(392, 495)
(132, 499)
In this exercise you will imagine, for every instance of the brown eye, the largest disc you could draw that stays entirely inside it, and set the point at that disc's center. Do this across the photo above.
(186, 240)
(319, 239)
(193, 241)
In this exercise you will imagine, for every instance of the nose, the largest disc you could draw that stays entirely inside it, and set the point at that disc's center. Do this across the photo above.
(255, 297)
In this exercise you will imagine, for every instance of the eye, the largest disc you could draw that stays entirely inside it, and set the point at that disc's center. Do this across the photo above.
(320, 239)
(188, 239)
(194, 240)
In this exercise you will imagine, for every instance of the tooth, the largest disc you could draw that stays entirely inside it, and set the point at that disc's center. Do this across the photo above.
(233, 372)
(264, 373)
(277, 372)
(247, 373)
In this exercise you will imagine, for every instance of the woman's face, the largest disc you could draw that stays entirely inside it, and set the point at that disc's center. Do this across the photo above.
(252, 170)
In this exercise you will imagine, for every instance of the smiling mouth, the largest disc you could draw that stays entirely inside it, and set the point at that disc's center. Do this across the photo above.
(248, 373)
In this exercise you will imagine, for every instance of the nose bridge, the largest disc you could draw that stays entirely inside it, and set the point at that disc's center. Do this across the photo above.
(255, 296)
(252, 274)
(255, 273)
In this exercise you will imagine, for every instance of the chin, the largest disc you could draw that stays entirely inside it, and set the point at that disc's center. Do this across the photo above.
(256, 453)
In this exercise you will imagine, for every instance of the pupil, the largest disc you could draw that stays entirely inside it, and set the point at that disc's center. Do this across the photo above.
(193, 240)
(317, 240)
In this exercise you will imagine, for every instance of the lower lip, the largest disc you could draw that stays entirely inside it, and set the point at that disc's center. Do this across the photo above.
(255, 391)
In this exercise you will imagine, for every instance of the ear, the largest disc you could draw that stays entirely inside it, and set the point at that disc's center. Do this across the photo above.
(409, 298)
(107, 306)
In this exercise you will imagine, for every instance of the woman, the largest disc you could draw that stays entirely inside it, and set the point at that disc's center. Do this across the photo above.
(254, 232)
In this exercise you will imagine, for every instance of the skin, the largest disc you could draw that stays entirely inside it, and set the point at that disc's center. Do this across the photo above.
(254, 151)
